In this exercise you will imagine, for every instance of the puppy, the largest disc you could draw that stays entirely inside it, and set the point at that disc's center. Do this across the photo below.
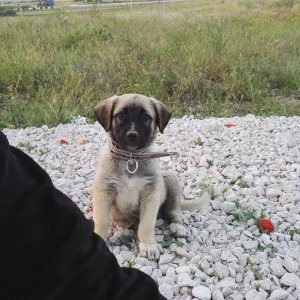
(129, 189)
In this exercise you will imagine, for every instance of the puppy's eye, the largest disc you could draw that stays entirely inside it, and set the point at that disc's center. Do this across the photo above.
(146, 118)
(120, 116)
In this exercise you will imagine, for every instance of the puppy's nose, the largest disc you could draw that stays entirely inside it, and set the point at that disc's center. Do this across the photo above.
(132, 136)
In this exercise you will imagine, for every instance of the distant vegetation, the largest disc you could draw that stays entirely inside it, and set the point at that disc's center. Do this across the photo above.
(208, 58)
(7, 12)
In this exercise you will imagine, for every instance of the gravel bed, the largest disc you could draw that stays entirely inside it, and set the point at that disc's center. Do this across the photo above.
(251, 167)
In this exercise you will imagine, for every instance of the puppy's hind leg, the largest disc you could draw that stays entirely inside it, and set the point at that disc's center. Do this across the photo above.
(171, 208)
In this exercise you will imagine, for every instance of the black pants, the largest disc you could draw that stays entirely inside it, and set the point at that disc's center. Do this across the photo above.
(48, 249)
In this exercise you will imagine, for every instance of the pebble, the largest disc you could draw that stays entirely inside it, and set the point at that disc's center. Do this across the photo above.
(276, 267)
(201, 292)
(290, 264)
(212, 258)
(279, 295)
(221, 271)
(184, 279)
(217, 295)
(254, 295)
(289, 279)
(165, 259)
(273, 192)
(166, 290)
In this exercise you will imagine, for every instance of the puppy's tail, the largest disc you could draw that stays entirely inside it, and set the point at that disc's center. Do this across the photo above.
(196, 204)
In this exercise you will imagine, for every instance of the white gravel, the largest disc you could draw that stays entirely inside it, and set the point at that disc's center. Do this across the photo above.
(256, 164)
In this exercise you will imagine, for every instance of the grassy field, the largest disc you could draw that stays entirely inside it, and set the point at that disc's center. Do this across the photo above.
(204, 57)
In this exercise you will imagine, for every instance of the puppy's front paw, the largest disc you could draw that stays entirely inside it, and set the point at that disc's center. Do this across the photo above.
(178, 229)
(150, 250)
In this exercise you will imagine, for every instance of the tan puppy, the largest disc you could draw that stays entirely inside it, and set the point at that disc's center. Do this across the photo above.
(129, 187)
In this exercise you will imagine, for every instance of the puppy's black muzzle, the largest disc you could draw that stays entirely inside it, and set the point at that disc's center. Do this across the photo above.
(132, 137)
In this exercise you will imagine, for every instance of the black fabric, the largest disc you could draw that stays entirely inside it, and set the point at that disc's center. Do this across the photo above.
(48, 249)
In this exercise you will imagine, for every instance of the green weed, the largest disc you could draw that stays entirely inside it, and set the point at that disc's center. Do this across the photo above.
(199, 142)
(27, 146)
(271, 249)
(293, 231)
(169, 240)
(258, 274)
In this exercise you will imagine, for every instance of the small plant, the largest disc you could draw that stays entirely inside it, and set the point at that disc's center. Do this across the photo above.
(264, 224)
(210, 190)
(271, 249)
(129, 264)
(258, 274)
(43, 152)
(256, 286)
(225, 190)
(233, 182)
(169, 240)
(240, 182)
(27, 146)
(243, 184)
(293, 231)
(199, 142)
(243, 216)
(210, 162)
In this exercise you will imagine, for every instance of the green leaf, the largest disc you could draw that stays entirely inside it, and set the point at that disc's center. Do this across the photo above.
(233, 182)
(211, 192)
(260, 247)
(210, 162)
(199, 142)
(129, 264)
(169, 240)
(243, 184)
(241, 217)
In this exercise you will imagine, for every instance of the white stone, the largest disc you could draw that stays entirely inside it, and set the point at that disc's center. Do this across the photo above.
(181, 251)
(250, 244)
(126, 255)
(201, 275)
(228, 206)
(166, 290)
(231, 197)
(157, 273)
(279, 295)
(226, 282)
(184, 269)
(147, 270)
(254, 295)
(184, 279)
(265, 284)
(226, 291)
(276, 267)
(273, 192)
(221, 270)
(165, 259)
(231, 172)
(84, 172)
(201, 292)
(289, 279)
(217, 295)
(290, 264)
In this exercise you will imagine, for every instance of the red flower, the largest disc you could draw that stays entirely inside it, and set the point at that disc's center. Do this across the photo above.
(64, 142)
(266, 224)
(230, 125)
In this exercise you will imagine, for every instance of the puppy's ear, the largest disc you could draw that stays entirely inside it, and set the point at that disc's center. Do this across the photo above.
(104, 112)
(163, 114)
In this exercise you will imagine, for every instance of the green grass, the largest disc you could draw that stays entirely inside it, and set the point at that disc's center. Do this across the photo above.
(209, 58)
